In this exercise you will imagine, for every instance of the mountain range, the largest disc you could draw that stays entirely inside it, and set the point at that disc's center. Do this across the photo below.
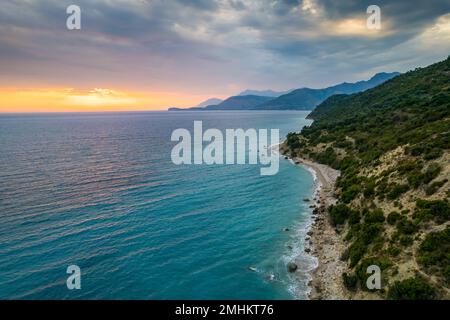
(209, 102)
(299, 99)
(264, 93)
(308, 99)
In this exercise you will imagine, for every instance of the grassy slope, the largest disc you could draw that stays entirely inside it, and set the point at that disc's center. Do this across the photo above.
(391, 144)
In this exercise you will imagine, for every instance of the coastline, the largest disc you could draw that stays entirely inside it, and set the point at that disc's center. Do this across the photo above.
(324, 243)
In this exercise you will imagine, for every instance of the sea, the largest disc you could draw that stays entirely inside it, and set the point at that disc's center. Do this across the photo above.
(99, 191)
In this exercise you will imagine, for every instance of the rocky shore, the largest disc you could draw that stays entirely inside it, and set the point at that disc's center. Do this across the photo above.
(324, 242)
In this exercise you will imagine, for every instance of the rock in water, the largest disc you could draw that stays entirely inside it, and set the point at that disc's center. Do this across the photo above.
(292, 267)
(271, 277)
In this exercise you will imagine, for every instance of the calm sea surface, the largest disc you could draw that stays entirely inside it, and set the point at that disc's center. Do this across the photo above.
(100, 191)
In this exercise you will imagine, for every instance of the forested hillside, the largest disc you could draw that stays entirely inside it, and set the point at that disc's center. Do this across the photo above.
(391, 144)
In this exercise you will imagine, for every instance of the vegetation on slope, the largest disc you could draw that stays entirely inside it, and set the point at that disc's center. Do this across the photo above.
(391, 144)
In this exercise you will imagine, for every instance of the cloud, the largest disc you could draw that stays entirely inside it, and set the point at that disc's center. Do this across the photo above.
(211, 47)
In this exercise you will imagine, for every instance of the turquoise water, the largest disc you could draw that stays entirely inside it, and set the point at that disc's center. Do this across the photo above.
(100, 191)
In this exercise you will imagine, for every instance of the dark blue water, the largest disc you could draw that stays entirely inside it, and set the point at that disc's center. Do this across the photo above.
(100, 191)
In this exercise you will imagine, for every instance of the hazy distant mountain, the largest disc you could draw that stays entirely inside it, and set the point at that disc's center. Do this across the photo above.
(299, 99)
(232, 103)
(264, 93)
(209, 102)
(308, 99)
(185, 109)
(239, 103)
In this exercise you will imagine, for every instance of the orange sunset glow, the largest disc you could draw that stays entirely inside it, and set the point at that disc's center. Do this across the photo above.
(154, 55)
(97, 99)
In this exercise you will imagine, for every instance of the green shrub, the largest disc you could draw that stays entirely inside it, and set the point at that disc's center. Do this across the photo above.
(412, 289)
(328, 156)
(350, 193)
(370, 231)
(382, 187)
(432, 172)
(357, 251)
(292, 141)
(434, 252)
(353, 231)
(393, 217)
(427, 151)
(350, 281)
(374, 216)
(433, 153)
(377, 244)
(393, 251)
(406, 241)
(369, 189)
(339, 214)
(409, 166)
(354, 217)
(432, 209)
(432, 188)
(416, 178)
(366, 235)
(396, 190)
(405, 226)
(343, 144)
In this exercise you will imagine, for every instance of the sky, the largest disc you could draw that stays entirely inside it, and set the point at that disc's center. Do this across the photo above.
(155, 54)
